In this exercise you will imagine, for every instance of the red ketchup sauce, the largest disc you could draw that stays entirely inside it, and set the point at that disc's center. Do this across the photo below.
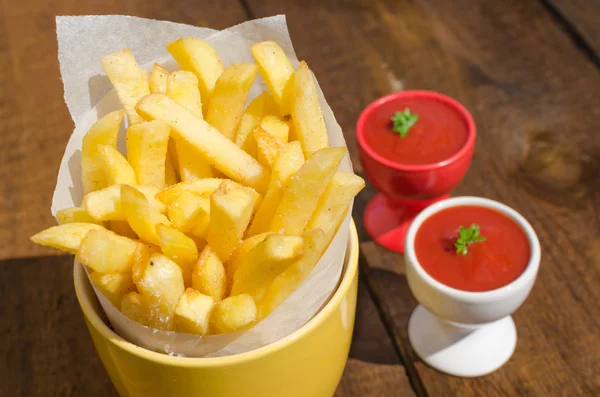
(488, 265)
(439, 133)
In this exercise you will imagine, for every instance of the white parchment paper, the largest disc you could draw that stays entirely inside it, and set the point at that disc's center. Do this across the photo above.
(82, 42)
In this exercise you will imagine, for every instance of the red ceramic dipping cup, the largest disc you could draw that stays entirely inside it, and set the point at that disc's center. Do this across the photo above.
(406, 188)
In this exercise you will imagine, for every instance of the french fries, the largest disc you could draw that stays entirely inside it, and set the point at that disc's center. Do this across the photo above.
(229, 97)
(302, 192)
(288, 161)
(105, 204)
(74, 215)
(199, 57)
(106, 252)
(264, 262)
(158, 79)
(141, 215)
(219, 211)
(182, 86)
(260, 107)
(130, 82)
(230, 210)
(190, 213)
(334, 202)
(113, 285)
(179, 248)
(208, 275)
(162, 282)
(233, 314)
(307, 117)
(267, 147)
(219, 151)
(103, 132)
(116, 168)
(192, 314)
(277, 127)
(67, 237)
(275, 68)
(315, 243)
(202, 187)
(147, 144)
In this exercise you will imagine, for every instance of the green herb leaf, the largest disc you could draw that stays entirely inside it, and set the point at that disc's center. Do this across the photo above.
(403, 121)
(466, 237)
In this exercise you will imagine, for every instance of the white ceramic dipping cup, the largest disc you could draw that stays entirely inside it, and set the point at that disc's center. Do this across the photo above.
(466, 333)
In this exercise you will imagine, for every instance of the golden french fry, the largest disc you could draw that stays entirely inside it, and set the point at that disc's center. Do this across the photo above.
(106, 252)
(335, 201)
(199, 57)
(182, 86)
(179, 248)
(141, 215)
(147, 152)
(141, 257)
(230, 210)
(208, 275)
(240, 253)
(233, 314)
(105, 204)
(275, 68)
(192, 166)
(267, 147)
(162, 280)
(171, 168)
(307, 116)
(219, 151)
(264, 262)
(277, 127)
(158, 79)
(202, 187)
(113, 285)
(315, 244)
(260, 106)
(75, 215)
(229, 97)
(288, 161)
(192, 314)
(103, 132)
(66, 237)
(190, 213)
(117, 169)
(122, 228)
(135, 306)
(130, 82)
(301, 193)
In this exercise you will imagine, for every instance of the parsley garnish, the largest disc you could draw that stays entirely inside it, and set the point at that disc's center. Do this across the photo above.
(403, 121)
(467, 236)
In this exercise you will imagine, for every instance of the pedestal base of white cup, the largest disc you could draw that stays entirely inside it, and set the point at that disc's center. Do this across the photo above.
(461, 349)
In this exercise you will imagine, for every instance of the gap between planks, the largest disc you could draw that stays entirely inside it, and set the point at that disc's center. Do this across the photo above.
(571, 31)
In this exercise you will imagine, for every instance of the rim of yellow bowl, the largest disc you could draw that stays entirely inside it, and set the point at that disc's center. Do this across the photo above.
(350, 268)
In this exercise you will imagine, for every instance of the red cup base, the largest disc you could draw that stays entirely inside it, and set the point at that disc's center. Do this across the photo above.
(387, 221)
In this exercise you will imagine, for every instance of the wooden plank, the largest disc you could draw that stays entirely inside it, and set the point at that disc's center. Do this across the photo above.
(35, 122)
(534, 97)
(44, 335)
(373, 368)
(581, 18)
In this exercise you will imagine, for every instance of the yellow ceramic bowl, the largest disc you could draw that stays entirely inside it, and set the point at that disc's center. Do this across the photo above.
(307, 363)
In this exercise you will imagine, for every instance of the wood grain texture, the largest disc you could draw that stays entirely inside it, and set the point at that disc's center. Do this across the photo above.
(35, 121)
(534, 97)
(583, 17)
(44, 337)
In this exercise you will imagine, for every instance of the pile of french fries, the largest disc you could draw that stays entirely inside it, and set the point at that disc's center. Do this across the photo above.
(218, 211)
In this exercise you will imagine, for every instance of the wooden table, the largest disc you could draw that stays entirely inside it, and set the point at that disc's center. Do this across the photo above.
(529, 71)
